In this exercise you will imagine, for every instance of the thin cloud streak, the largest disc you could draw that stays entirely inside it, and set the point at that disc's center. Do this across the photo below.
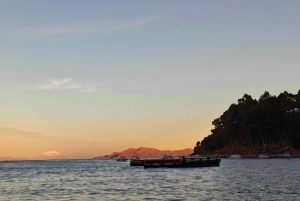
(84, 28)
(67, 84)
(57, 83)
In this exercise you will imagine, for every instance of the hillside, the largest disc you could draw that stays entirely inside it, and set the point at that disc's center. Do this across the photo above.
(144, 152)
(11, 159)
(268, 125)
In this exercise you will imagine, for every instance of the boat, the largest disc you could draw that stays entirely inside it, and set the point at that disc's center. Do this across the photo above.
(235, 156)
(182, 162)
(165, 161)
(136, 161)
(285, 155)
(122, 159)
(200, 161)
(263, 156)
(193, 157)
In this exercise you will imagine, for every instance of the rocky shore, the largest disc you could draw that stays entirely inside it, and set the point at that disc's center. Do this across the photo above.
(275, 151)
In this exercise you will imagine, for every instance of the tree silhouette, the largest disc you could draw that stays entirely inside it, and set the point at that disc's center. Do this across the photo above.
(256, 124)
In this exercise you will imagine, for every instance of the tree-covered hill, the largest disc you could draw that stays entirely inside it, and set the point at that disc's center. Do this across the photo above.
(269, 124)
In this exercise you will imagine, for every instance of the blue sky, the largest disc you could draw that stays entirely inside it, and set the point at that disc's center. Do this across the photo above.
(123, 73)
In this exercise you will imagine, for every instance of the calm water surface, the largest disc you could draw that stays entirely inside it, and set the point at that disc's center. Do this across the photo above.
(235, 179)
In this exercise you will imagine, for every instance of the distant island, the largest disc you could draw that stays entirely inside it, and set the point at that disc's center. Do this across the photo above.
(46, 155)
(8, 158)
(269, 125)
(145, 152)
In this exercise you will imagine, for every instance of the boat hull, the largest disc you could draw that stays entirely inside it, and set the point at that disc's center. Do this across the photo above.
(162, 163)
(202, 163)
(137, 162)
(182, 163)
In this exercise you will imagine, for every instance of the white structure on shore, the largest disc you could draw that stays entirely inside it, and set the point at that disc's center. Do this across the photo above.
(235, 156)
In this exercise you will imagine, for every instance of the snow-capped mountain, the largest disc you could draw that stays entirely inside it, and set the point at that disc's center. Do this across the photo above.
(51, 155)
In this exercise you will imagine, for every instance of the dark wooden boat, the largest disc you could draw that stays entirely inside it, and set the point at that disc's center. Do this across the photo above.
(182, 162)
(136, 161)
(122, 159)
(195, 161)
(165, 161)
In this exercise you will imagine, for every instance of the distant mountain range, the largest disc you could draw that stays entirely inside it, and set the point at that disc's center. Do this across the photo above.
(144, 152)
(46, 155)
(7, 158)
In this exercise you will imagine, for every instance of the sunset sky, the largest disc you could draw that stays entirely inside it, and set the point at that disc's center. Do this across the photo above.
(86, 78)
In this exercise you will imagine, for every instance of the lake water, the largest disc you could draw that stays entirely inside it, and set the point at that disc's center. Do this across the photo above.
(235, 179)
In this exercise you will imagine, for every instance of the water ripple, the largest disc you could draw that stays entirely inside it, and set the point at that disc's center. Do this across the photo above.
(244, 179)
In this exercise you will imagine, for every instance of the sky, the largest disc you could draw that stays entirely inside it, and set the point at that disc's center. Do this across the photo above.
(87, 78)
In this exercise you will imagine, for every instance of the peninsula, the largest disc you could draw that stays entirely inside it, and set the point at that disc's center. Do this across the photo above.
(145, 152)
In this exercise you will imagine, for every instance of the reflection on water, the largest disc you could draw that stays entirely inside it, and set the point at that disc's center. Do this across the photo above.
(242, 179)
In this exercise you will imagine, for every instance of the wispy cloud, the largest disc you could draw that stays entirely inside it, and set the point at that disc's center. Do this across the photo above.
(55, 84)
(68, 84)
(94, 28)
(83, 28)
